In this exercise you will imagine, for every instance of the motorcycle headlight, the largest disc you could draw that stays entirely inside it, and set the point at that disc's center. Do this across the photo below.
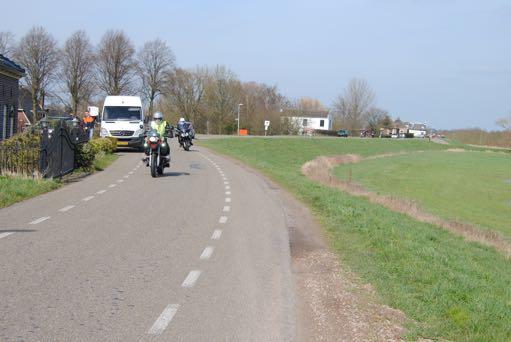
(153, 139)
(184, 134)
(104, 132)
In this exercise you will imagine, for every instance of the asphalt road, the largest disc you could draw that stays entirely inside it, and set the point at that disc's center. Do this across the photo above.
(200, 254)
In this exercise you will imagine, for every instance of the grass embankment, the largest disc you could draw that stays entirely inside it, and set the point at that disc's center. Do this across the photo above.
(453, 289)
(470, 187)
(15, 189)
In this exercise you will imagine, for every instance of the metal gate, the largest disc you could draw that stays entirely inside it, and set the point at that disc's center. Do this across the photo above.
(58, 147)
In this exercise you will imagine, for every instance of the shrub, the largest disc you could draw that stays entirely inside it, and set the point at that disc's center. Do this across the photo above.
(84, 156)
(409, 135)
(20, 154)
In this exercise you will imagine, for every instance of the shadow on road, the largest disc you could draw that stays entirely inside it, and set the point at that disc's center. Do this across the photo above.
(17, 231)
(175, 174)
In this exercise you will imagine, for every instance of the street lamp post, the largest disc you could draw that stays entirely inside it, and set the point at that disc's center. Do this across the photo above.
(239, 106)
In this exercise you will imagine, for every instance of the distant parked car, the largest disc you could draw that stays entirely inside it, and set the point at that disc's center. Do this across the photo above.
(343, 133)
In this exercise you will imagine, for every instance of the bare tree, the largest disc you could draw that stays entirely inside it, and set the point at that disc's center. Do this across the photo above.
(77, 71)
(355, 104)
(7, 44)
(223, 94)
(37, 52)
(115, 66)
(505, 123)
(185, 90)
(154, 61)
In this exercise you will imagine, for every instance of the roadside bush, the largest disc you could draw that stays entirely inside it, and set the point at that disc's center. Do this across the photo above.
(409, 135)
(88, 152)
(84, 156)
(20, 154)
(103, 145)
(325, 132)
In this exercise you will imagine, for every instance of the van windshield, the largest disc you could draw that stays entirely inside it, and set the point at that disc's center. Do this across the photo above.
(122, 113)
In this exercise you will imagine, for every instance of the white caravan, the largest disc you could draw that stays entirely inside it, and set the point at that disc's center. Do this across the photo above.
(123, 119)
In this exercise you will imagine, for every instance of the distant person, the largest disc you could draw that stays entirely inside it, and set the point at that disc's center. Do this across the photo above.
(88, 123)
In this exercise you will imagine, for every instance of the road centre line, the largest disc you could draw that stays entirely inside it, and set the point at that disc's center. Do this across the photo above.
(227, 208)
(66, 208)
(130, 173)
(191, 279)
(120, 180)
(100, 192)
(6, 234)
(161, 322)
(39, 220)
(227, 187)
(227, 200)
(216, 234)
(223, 219)
(227, 192)
(126, 176)
(226, 183)
(88, 198)
(206, 254)
(112, 185)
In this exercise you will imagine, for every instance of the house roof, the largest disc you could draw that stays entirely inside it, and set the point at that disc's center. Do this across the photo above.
(25, 103)
(310, 114)
(8, 65)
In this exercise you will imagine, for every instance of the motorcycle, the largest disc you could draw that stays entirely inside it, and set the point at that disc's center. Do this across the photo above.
(157, 151)
(184, 136)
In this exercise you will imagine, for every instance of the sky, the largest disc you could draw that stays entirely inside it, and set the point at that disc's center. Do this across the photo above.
(443, 62)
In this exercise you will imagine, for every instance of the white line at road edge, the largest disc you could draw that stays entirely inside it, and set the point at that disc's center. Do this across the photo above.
(206, 254)
(88, 198)
(69, 207)
(39, 220)
(222, 219)
(164, 319)
(191, 278)
(100, 192)
(216, 234)
(227, 208)
(5, 234)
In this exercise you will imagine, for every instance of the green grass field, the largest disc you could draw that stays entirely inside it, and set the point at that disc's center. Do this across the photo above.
(471, 187)
(14, 189)
(452, 289)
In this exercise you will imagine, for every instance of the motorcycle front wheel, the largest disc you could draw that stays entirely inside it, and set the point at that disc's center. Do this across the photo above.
(154, 159)
(186, 145)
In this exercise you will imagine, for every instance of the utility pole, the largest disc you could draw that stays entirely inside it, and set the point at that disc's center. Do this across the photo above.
(239, 106)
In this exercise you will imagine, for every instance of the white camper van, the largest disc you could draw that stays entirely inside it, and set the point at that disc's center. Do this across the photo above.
(123, 119)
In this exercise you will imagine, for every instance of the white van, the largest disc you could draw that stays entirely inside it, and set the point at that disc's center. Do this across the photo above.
(123, 119)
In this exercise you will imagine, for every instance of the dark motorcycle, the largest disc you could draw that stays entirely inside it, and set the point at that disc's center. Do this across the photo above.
(185, 135)
(158, 153)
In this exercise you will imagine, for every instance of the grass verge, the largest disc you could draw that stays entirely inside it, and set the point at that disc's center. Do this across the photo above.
(15, 189)
(451, 289)
(438, 182)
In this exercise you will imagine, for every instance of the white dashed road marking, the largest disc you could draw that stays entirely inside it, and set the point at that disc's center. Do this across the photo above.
(120, 180)
(130, 173)
(126, 176)
(5, 234)
(112, 185)
(100, 192)
(227, 192)
(227, 200)
(222, 219)
(227, 208)
(39, 220)
(206, 254)
(69, 207)
(88, 198)
(191, 278)
(216, 234)
(164, 319)
(226, 183)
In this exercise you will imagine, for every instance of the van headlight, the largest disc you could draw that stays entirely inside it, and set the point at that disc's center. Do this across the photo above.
(104, 132)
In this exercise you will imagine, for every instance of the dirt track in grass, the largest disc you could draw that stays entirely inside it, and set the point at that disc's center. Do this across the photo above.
(320, 170)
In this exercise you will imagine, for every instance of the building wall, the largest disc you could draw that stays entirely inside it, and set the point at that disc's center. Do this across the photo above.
(313, 123)
(9, 92)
